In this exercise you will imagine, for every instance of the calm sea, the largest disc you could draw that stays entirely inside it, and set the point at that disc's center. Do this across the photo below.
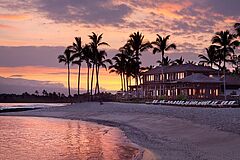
(25, 138)
(29, 105)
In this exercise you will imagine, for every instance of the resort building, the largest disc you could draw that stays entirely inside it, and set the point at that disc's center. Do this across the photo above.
(186, 81)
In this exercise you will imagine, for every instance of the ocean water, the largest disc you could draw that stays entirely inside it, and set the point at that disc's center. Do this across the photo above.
(29, 105)
(30, 138)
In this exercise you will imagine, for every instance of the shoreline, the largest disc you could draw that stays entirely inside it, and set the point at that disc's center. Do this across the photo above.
(167, 137)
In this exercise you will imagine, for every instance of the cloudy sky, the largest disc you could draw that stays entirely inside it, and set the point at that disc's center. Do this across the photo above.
(34, 32)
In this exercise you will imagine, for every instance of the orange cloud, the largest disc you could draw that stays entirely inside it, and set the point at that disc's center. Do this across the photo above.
(13, 16)
(230, 20)
(170, 9)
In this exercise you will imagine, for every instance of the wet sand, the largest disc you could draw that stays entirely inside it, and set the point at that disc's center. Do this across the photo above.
(168, 132)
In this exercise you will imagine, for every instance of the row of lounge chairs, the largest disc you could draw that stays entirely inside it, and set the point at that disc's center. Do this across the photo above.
(209, 103)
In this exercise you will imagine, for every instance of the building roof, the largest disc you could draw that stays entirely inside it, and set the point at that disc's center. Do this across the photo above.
(180, 68)
(199, 78)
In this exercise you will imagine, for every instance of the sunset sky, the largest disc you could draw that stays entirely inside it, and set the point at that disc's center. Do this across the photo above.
(34, 32)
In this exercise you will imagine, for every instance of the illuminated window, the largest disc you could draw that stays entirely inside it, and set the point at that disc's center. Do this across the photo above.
(203, 91)
(166, 76)
(168, 92)
(194, 91)
(189, 92)
(216, 92)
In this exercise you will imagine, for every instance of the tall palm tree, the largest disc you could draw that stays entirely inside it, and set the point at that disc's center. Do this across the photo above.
(211, 58)
(96, 41)
(101, 62)
(119, 67)
(136, 42)
(161, 45)
(67, 58)
(88, 57)
(226, 43)
(78, 57)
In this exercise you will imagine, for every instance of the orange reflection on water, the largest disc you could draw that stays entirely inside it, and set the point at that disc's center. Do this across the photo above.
(46, 138)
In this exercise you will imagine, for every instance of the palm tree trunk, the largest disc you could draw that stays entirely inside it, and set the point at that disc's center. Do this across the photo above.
(224, 72)
(88, 78)
(92, 79)
(122, 81)
(69, 92)
(97, 90)
(98, 86)
(127, 83)
(79, 72)
(96, 79)
(137, 86)
(137, 56)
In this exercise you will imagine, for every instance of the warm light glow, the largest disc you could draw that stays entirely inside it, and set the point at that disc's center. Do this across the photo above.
(59, 75)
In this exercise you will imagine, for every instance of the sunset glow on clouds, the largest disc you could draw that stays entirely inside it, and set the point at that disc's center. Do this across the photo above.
(55, 23)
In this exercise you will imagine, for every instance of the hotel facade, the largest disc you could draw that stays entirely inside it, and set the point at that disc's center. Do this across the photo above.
(186, 80)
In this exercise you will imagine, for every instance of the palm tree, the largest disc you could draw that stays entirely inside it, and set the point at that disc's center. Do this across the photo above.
(165, 62)
(96, 41)
(179, 61)
(78, 54)
(88, 57)
(119, 67)
(101, 62)
(161, 45)
(211, 58)
(137, 44)
(226, 43)
(67, 58)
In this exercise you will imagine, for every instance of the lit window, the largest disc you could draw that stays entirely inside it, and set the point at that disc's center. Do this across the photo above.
(166, 76)
(194, 91)
(216, 92)
(203, 91)
(168, 92)
(189, 92)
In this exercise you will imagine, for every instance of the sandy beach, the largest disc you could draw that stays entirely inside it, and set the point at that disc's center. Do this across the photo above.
(169, 132)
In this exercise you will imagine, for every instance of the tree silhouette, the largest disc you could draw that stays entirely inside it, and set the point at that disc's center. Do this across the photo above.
(67, 58)
(96, 41)
(101, 62)
(88, 57)
(165, 62)
(161, 45)
(178, 61)
(211, 58)
(119, 67)
(78, 57)
(137, 44)
(226, 43)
